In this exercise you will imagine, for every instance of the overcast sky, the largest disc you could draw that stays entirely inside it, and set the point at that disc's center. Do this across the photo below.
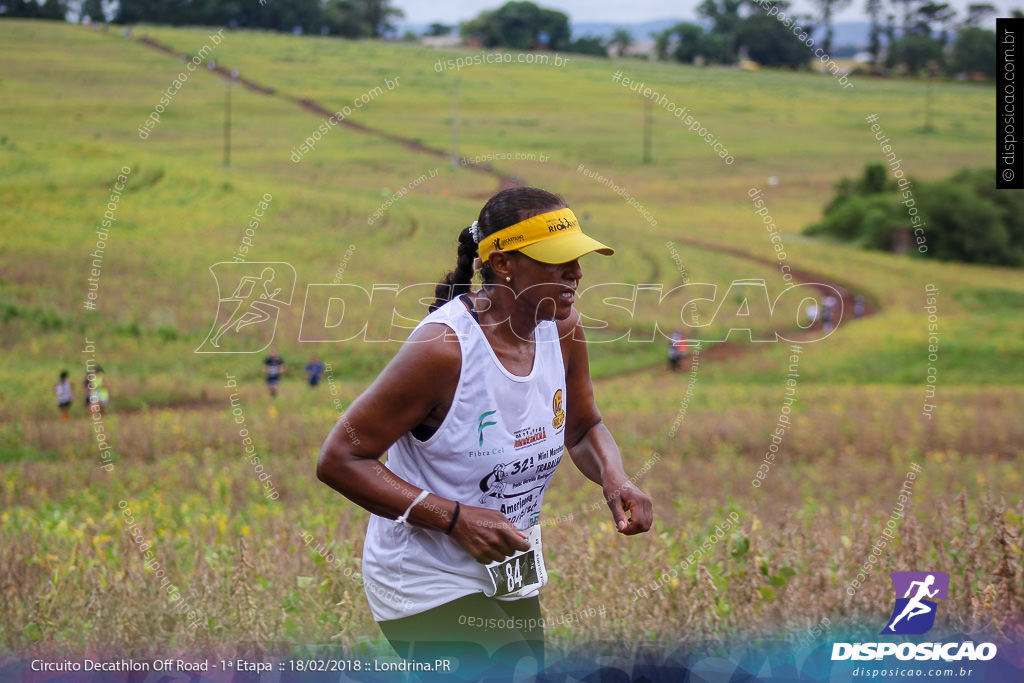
(631, 12)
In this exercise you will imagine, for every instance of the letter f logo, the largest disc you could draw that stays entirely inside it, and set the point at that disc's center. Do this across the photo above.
(481, 424)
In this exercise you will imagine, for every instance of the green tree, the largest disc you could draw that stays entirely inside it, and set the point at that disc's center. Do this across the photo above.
(661, 43)
(518, 25)
(378, 16)
(714, 48)
(874, 10)
(1009, 203)
(344, 18)
(479, 27)
(907, 11)
(978, 13)
(689, 42)
(286, 16)
(27, 9)
(555, 25)
(54, 10)
(964, 218)
(873, 181)
(828, 9)
(621, 40)
(915, 52)
(963, 226)
(890, 29)
(932, 17)
(725, 22)
(588, 45)
(769, 42)
(438, 29)
(129, 12)
(219, 13)
(974, 51)
(92, 9)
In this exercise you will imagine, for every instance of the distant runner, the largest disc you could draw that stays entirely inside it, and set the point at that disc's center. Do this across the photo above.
(273, 366)
(64, 397)
(314, 369)
(99, 390)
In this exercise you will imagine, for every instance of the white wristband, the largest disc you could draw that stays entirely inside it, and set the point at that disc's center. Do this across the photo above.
(416, 501)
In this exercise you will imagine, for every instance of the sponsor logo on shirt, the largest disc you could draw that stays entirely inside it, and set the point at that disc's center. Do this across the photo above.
(515, 487)
(530, 435)
(484, 454)
(483, 423)
(556, 407)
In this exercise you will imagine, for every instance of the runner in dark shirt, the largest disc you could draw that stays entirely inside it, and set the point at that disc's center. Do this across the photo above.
(273, 365)
(314, 369)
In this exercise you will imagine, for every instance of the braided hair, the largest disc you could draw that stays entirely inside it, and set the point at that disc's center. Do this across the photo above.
(506, 208)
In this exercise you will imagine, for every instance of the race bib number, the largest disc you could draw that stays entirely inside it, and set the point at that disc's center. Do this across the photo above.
(522, 573)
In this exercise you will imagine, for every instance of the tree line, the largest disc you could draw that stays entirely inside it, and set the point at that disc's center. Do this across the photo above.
(346, 18)
(916, 37)
(908, 36)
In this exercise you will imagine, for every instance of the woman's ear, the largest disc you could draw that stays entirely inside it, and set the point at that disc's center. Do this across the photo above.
(501, 264)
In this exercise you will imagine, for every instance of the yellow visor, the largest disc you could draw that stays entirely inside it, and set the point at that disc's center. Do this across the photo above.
(553, 237)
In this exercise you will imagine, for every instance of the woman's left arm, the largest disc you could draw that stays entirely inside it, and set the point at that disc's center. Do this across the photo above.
(591, 446)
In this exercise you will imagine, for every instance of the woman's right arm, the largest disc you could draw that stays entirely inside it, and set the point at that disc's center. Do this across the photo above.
(419, 381)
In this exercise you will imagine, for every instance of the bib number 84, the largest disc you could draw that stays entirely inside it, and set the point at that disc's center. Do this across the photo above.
(513, 577)
(516, 574)
(520, 574)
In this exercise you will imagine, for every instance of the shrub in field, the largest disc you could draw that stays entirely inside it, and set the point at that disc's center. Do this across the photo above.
(963, 218)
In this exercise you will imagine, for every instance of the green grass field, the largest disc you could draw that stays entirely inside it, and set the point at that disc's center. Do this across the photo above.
(72, 580)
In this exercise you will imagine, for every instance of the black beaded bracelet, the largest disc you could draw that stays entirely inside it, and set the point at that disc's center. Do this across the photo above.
(455, 518)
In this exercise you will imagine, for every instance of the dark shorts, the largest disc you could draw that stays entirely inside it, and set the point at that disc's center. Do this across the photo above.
(273, 381)
(64, 404)
(477, 634)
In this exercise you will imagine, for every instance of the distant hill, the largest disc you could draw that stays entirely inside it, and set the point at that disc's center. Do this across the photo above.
(641, 31)
(846, 33)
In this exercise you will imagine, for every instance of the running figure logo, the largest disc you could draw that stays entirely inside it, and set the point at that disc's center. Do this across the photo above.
(493, 485)
(914, 612)
(249, 315)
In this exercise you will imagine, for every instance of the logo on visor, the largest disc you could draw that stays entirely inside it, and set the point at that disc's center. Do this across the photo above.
(561, 224)
(502, 243)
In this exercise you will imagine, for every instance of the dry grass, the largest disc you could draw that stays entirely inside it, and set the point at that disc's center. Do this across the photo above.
(73, 581)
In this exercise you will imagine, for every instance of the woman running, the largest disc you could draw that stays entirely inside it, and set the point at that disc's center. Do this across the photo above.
(474, 411)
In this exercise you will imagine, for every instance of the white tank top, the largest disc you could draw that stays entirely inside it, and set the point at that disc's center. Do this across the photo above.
(497, 448)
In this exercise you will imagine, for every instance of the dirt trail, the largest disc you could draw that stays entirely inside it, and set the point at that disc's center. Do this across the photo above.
(718, 351)
(317, 108)
(728, 350)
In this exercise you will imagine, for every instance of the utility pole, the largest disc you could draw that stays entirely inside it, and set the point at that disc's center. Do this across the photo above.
(928, 104)
(227, 118)
(455, 128)
(648, 121)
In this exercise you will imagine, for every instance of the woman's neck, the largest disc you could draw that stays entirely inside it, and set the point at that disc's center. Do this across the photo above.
(499, 314)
